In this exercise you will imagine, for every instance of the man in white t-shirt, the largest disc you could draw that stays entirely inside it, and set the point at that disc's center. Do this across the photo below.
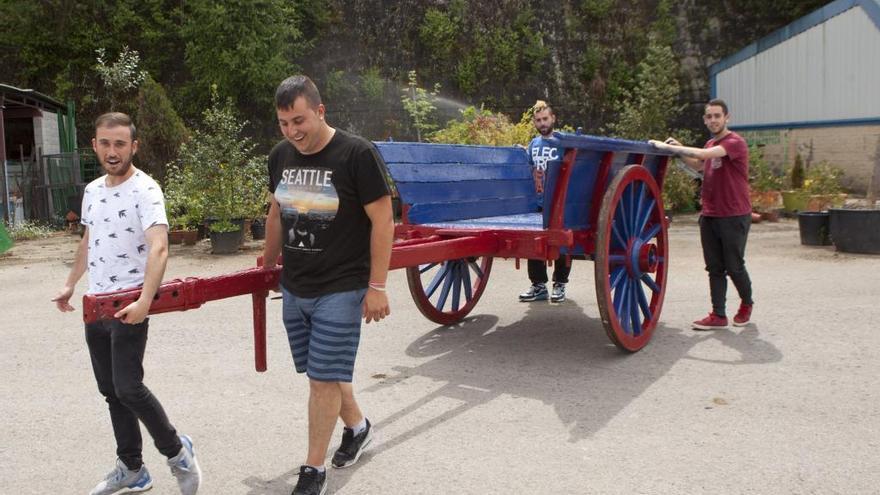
(125, 245)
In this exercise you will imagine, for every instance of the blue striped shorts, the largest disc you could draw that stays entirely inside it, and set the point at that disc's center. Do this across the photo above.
(324, 333)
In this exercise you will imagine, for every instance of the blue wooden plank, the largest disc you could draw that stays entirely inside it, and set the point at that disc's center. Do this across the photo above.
(596, 143)
(522, 221)
(439, 192)
(445, 153)
(578, 196)
(446, 172)
(441, 212)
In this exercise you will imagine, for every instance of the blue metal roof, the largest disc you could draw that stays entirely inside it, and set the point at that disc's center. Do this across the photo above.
(871, 7)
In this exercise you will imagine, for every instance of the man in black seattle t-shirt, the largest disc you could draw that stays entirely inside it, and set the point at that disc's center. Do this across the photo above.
(330, 219)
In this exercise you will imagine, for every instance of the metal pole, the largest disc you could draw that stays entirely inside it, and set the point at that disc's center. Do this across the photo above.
(3, 161)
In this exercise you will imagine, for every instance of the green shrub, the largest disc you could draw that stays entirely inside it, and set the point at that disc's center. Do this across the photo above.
(761, 176)
(823, 178)
(216, 173)
(679, 190)
(481, 126)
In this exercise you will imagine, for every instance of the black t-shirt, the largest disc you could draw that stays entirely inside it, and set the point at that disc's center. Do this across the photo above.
(326, 232)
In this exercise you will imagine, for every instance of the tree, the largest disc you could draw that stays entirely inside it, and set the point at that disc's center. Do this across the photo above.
(216, 174)
(647, 110)
(161, 131)
(120, 78)
(244, 49)
(419, 104)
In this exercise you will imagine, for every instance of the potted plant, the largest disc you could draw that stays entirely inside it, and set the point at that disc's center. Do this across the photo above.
(181, 206)
(765, 187)
(794, 199)
(823, 188)
(220, 177)
(857, 229)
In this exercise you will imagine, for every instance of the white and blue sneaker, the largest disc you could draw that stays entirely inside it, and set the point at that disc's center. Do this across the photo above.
(124, 480)
(185, 468)
(537, 292)
(558, 293)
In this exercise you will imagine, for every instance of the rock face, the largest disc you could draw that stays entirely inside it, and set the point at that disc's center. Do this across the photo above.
(580, 56)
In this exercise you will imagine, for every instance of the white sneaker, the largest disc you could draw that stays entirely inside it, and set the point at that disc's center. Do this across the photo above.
(185, 468)
(124, 480)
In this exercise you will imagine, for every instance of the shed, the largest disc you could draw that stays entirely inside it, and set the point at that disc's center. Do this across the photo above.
(811, 88)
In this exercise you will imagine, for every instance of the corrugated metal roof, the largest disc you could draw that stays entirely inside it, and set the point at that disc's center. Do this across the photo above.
(38, 99)
(871, 7)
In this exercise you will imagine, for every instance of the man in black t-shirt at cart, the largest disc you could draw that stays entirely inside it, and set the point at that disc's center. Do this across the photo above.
(331, 220)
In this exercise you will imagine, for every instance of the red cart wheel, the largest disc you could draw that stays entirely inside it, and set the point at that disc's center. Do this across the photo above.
(632, 254)
(446, 292)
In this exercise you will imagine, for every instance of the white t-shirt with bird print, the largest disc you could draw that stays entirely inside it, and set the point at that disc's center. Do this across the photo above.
(117, 218)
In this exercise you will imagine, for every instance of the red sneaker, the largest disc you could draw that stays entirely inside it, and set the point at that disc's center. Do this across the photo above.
(743, 316)
(711, 322)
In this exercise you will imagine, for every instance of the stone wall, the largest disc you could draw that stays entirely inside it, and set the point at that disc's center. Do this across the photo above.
(855, 149)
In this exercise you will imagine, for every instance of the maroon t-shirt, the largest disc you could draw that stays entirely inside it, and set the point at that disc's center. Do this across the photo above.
(726, 179)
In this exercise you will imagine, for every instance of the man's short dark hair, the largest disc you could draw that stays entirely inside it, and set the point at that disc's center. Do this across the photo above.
(292, 88)
(113, 119)
(718, 102)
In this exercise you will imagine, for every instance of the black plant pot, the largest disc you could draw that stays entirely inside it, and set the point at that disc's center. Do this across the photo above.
(258, 230)
(225, 242)
(855, 231)
(814, 229)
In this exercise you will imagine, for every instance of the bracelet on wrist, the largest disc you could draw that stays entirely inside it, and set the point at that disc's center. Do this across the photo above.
(377, 286)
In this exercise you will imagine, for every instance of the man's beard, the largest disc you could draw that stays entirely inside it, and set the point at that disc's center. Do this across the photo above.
(547, 132)
(123, 168)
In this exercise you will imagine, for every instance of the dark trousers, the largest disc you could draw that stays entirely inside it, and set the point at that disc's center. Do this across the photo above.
(538, 271)
(117, 352)
(724, 247)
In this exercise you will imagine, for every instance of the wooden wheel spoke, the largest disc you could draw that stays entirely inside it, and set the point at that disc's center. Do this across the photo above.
(652, 232)
(622, 215)
(476, 268)
(650, 283)
(447, 284)
(644, 221)
(616, 276)
(617, 259)
(634, 309)
(643, 302)
(466, 277)
(456, 284)
(621, 242)
(424, 268)
(435, 282)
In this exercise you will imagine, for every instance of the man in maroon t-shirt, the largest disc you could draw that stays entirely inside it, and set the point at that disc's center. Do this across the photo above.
(726, 215)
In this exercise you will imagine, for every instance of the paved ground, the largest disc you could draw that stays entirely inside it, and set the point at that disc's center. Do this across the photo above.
(520, 398)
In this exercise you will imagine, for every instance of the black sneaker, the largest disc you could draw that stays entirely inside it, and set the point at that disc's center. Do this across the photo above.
(310, 482)
(352, 446)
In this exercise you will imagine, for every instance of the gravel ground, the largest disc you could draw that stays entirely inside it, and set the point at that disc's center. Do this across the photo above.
(519, 398)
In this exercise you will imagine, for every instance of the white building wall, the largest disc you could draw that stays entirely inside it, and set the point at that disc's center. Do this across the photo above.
(828, 72)
(46, 133)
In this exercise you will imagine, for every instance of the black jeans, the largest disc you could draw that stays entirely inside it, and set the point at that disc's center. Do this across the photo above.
(117, 352)
(538, 271)
(724, 248)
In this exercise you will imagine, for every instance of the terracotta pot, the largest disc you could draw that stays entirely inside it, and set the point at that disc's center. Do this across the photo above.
(766, 200)
(770, 215)
(186, 237)
(822, 202)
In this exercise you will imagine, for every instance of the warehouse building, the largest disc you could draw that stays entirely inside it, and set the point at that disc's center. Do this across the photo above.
(811, 88)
